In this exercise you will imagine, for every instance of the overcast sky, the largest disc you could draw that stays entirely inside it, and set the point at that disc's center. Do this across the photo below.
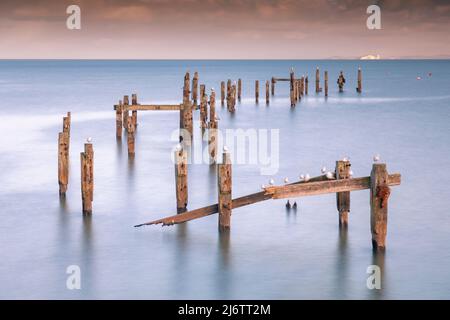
(224, 29)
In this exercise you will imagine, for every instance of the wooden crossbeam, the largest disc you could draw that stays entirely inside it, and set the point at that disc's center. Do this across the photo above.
(208, 210)
(334, 186)
(143, 107)
(283, 79)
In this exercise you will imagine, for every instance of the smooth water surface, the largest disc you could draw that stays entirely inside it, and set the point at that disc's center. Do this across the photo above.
(270, 253)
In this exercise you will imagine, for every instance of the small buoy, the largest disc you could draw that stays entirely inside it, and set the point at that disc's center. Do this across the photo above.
(350, 173)
(430, 74)
(89, 140)
(330, 175)
(419, 78)
(376, 158)
(271, 181)
(345, 159)
(307, 177)
(286, 180)
(323, 170)
(178, 147)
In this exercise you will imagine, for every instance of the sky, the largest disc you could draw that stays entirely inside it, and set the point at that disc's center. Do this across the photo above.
(223, 29)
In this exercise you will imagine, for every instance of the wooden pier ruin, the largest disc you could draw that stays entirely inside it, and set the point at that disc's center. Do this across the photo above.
(341, 182)
(195, 98)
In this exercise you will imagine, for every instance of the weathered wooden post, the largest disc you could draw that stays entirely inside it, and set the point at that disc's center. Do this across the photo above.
(273, 85)
(292, 87)
(233, 98)
(267, 92)
(63, 162)
(186, 87)
(326, 83)
(134, 112)
(130, 137)
(239, 93)
(186, 115)
(222, 92)
(66, 124)
(181, 181)
(87, 177)
(343, 168)
(202, 91)
(125, 113)
(119, 111)
(295, 91)
(257, 91)
(359, 89)
(228, 94)
(379, 195)
(306, 85)
(204, 113)
(225, 196)
(317, 80)
(302, 86)
(195, 87)
(213, 129)
(186, 122)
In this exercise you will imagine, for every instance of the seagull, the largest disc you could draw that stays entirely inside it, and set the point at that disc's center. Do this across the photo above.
(89, 140)
(376, 158)
(263, 186)
(345, 159)
(323, 170)
(294, 206)
(307, 177)
(178, 147)
(350, 173)
(330, 175)
(225, 149)
(271, 182)
(286, 180)
(302, 177)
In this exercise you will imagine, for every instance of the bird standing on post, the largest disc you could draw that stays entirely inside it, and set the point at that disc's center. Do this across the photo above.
(341, 82)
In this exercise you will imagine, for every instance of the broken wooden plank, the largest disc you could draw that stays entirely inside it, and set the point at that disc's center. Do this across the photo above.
(333, 186)
(212, 209)
(143, 107)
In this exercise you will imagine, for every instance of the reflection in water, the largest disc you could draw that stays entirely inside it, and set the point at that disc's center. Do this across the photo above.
(378, 259)
(119, 147)
(63, 204)
(224, 278)
(181, 260)
(342, 259)
(131, 158)
(87, 258)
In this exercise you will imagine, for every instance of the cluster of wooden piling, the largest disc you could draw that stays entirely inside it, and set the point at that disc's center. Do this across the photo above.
(87, 166)
(300, 86)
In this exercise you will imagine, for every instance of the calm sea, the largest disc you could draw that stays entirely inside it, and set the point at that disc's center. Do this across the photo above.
(271, 253)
